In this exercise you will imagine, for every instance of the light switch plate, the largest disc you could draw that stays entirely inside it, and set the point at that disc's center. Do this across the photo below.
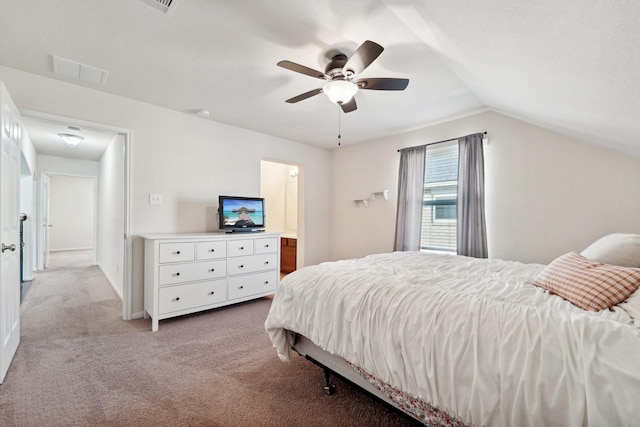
(155, 199)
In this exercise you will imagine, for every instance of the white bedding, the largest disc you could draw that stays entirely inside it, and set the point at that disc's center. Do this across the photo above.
(471, 337)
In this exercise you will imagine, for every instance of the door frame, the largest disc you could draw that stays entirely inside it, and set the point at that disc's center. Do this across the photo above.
(127, 135)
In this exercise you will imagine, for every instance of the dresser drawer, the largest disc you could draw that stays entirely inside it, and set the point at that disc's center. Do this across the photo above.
(176, 252)
(211, 250)
(252, 264)
(268, 245)
(240, 247)
(190, 272)
(186, 297)
(252, 284)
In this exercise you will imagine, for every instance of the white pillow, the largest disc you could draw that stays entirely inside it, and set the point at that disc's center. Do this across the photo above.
(618, 249)
(632, 307)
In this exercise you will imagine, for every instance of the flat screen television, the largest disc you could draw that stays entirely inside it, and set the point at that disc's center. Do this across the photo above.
(241, 213)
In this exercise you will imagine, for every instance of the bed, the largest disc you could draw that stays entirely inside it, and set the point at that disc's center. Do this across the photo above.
(452, 340)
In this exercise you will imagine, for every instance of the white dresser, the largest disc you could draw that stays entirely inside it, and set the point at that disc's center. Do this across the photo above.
(185, 273)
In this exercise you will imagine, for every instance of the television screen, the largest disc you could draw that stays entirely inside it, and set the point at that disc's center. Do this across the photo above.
(241, 213)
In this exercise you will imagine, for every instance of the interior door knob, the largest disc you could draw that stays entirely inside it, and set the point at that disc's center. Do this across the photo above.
(11, 247)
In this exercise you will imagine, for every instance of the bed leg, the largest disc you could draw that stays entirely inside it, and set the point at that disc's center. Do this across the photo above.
(329, 388)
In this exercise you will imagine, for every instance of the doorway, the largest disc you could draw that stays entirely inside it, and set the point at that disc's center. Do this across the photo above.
(103, 159)
(280, 185)
(70, 214)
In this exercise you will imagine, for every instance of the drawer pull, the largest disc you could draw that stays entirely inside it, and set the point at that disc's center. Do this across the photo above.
(241, 266)
(266, 246)
(176, 299)
(242, 248)
(177, 252)
(178, 273)
(266, 262)
(241, 287)
(212, 270)
(212, 250)
(266, 282)
(212, 292)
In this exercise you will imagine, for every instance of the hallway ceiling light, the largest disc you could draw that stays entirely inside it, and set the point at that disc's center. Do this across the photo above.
(71, 140)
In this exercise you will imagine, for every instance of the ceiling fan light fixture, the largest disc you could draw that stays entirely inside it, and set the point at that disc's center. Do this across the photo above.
(70, 139)
(340, 91)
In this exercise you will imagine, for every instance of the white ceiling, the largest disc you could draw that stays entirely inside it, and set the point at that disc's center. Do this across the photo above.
(569, 65)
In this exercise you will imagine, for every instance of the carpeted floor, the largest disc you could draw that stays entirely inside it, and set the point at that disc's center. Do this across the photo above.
(80, 364)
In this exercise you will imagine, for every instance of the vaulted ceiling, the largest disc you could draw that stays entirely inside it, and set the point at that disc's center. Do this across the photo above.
(570, 66)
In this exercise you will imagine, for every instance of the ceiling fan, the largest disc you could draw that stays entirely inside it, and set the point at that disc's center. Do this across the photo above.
(340, 74)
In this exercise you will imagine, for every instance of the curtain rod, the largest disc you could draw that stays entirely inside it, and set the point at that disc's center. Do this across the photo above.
(433, 143)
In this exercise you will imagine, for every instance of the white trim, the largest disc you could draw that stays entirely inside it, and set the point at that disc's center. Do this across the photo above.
(115, 288)
(127, 266)
(70, 249)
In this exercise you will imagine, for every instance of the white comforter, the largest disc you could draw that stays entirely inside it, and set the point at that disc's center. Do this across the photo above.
(472, 337)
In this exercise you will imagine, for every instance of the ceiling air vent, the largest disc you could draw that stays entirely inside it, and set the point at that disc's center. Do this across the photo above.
(76, 70)
(165, 6)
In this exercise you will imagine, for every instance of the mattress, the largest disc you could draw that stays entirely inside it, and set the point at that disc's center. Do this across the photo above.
(471, 337)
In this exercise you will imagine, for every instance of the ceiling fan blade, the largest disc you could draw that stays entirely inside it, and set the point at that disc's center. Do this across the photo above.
(362, 58)
(304, 96)
(383, 83)
(349, 106)
(303, 70)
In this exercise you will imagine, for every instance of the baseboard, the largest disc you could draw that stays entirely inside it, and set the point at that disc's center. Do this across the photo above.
(70, 249)
(115, 288)
(137, 315)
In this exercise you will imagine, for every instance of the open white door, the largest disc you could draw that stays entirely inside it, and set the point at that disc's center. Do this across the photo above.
(11, 130)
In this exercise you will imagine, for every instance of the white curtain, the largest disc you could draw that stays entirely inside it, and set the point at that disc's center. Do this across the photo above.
(472, 229)
(410, 199)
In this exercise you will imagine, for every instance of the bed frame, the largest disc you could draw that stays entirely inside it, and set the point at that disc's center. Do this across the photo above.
(337, 366)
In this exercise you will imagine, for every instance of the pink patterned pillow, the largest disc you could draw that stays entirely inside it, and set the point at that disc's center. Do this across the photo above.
(588, 284)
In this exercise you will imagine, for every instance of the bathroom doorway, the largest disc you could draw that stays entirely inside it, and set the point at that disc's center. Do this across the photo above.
(281, 189)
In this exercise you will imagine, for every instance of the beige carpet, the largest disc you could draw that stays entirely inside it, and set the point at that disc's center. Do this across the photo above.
(80, 364)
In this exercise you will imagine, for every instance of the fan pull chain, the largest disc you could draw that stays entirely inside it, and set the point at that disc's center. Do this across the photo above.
(339, 136)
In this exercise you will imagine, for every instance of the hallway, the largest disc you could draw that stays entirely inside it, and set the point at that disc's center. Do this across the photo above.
(69, 259)
(74, 293)
(59, 260)
(67, 319)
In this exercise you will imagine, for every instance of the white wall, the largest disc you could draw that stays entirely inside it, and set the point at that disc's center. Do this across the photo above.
(547, 194)
(109, 248)
(28, 155)
(291, 202)
(63, 166)
(72, 210)
(189, 160)
(273, 189)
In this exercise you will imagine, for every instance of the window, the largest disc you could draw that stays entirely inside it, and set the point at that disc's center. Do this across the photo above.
(439, 213)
